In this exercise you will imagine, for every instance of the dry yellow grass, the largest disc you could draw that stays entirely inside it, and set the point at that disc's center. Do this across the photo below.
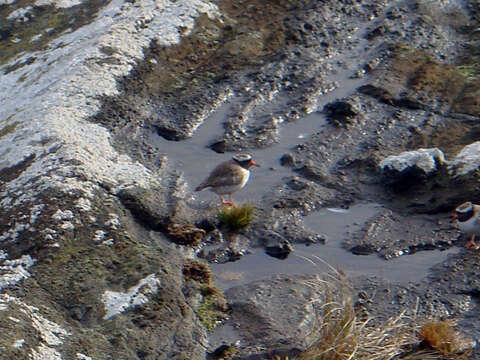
(440, 335)
(344, 334)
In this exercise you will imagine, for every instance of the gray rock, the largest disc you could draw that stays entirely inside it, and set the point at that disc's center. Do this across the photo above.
(467, 161)
(411, 167)
(341, 112)
(277, 314)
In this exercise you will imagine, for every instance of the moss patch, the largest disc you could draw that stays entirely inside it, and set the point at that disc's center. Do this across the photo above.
(212, 307)
(197, 271)
(427, 78)
(8, 129)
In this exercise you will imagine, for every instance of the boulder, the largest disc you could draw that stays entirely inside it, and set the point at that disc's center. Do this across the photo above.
(411, 167)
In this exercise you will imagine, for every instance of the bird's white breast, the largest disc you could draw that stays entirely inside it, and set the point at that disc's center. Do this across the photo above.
(246, 176)
(470, 226)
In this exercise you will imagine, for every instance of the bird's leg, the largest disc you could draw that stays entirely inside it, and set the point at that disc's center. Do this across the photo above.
(471, 243)
(231, 200)
(224, 203)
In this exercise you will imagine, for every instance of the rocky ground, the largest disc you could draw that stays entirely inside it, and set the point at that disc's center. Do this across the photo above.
(104, 245)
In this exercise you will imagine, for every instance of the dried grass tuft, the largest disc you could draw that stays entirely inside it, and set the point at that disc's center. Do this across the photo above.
(345, 334)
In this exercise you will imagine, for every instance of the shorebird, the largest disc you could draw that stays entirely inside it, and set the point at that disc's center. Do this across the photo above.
(467, 217)
(228, 177)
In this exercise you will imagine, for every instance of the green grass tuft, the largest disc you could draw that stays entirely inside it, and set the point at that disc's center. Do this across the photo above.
(236, 217)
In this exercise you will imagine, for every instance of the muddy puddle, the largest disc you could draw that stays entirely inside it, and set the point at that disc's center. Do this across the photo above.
(337, 225)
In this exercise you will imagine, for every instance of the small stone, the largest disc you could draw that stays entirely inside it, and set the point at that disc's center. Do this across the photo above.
(279, 251)
(287, 160)
(340, 113)
(219, 146)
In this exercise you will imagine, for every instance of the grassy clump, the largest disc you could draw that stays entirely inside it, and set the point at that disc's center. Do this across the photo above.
(343, 333)
(225, 352)
(441, 336)
(236, 217)
(197, 271)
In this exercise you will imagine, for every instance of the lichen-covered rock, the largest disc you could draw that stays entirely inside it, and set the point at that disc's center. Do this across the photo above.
(411, 167)
(467, 162)
(93, 283)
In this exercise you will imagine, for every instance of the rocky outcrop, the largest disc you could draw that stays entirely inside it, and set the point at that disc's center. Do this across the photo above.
(80, 277)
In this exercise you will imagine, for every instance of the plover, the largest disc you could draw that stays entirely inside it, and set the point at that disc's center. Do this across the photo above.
(467, 216)
(228, 177)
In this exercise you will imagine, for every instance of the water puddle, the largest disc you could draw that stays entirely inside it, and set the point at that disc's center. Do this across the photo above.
(336, 224)
(195, 159)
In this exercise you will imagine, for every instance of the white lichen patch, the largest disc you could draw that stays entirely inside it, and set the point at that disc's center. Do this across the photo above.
(19, 343)
(21, 15)
(63, 215)
(117, 302)
(99, 235)
(425, 159)
(51, 334)
(36, 37)
(58, 3)
(49, 234)
(35, 212)
(108, 242)
(67, 225)
(43, 352)
(114, 221)
(467, 161)
(12, 233)
(83, 204)
(83, 357)
(13, 271)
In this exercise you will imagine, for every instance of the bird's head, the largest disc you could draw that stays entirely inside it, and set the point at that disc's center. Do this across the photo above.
(463, 212)
(245, 160)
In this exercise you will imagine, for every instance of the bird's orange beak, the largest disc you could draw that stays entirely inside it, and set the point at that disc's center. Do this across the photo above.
(253, 163)
(454, 216)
